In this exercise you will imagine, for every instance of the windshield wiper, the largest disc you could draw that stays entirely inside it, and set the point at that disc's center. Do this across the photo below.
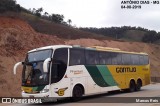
(31, 71)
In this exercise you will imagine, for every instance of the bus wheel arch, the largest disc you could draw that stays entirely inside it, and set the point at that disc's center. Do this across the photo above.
(132, 85)
(77, 92)
(139, 84)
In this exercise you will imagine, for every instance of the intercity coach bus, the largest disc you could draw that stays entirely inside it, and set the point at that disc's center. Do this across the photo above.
(75, 71)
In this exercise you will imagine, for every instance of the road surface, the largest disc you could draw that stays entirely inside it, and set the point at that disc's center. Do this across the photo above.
(149, 92)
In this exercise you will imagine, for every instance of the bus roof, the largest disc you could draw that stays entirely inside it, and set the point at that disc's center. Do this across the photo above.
(51, 47)
(115, 50)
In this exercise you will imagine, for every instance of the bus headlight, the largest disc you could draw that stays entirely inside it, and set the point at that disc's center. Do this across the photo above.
(44, 90)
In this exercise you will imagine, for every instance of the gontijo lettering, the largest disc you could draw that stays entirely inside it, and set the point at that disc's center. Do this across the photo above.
(125, 69)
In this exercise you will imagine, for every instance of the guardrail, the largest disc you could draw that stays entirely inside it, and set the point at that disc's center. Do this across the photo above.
(155, 79)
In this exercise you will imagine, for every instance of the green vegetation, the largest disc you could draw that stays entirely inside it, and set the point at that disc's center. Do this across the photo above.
(127, 32)
(9, 5)
(57, 18)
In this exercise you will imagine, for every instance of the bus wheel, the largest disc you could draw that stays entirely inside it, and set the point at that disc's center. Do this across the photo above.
(138, 85)
(132, 86)
(77, 93)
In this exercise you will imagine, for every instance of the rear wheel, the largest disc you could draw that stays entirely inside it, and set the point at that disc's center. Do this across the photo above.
(132, 86)
(138, 85)
(77, 93)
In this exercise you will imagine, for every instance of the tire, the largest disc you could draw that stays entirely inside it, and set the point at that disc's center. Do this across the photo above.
(138, 85)
(77, 93)
(132, 86)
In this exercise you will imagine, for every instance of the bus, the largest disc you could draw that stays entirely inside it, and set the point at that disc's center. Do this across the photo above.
(74, 71)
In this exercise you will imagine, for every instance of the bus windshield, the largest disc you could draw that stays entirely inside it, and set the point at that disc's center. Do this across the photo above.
(39, 55)
(33, 74)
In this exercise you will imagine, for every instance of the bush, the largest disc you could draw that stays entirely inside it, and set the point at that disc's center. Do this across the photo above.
(9, 5)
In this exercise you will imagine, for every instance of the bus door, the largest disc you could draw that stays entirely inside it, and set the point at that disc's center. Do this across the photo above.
(60, 84)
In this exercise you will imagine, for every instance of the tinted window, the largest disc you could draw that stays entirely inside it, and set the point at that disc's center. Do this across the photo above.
(119, 58)
(105, 57)
(141, 61)
(135, 59)
(126, 59)
(114, 58)
(146, 60)
(59, 64)
(61, 55)
(77, 56)
(91, 57)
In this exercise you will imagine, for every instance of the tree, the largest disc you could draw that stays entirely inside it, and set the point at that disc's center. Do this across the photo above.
(46, 13)
(33, 10)
(150, 36)
(38, 12)
(9, 5)
(57, 18)
(69, 21)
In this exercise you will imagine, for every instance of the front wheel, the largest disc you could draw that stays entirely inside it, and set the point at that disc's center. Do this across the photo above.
(77, 93)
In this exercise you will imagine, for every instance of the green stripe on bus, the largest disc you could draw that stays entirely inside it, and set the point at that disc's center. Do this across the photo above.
(107, 76)
(96, 76)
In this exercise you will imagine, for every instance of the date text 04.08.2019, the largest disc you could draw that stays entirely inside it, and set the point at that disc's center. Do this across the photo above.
(130, 6)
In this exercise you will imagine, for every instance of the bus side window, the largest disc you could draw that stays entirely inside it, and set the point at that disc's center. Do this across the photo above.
(59, 64)
(141, 60)
(101, 58)
(105, 58)
(77, 57)
(92, 57)
(146, 60)
(119, 59)
(135, 59)
(61, 55)
(126, 59)
(114, 58)
(108, 58)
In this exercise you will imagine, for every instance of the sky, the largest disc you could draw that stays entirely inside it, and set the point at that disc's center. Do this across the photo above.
(100, 13)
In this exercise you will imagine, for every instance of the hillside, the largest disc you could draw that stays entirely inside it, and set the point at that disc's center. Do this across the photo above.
(127, 33)
(60, 30)
(17, 37)
(133, 35)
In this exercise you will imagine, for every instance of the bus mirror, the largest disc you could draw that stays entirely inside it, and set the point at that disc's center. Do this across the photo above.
(23, 63)
(40, 77)
(45, 64)
(15, 67)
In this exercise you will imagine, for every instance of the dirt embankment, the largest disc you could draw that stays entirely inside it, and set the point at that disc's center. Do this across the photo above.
(17, 37)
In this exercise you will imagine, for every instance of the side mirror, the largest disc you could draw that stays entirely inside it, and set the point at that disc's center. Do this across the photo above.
(40, 77)
(45, 64)
(15, 67)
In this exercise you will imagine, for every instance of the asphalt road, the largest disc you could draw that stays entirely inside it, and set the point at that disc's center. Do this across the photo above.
(149, 95)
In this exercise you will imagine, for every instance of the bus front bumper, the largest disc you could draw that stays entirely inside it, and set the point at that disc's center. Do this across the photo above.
(35, 95)
(44, 96)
